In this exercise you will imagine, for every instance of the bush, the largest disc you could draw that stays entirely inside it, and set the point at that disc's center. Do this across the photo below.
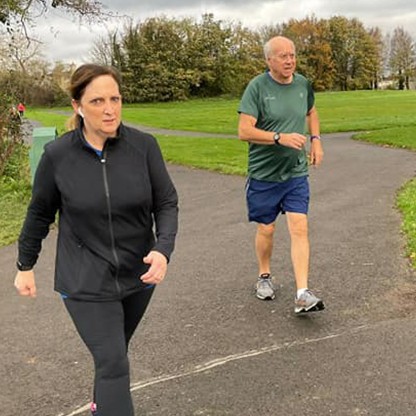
(10, 130)
(15, 191)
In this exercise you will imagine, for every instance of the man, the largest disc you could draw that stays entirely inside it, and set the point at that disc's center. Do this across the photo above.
(274, 111)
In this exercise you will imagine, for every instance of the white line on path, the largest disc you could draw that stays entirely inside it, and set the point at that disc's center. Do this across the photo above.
(225, 360)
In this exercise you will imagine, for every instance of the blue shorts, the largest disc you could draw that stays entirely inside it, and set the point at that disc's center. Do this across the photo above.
(266, 200)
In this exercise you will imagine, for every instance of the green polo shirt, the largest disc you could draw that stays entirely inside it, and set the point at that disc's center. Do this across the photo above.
(280, 108)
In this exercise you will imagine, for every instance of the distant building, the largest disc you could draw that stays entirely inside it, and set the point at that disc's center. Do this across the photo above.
(386, 84)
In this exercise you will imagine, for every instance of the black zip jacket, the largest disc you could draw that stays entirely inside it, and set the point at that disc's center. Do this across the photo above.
(112, 211)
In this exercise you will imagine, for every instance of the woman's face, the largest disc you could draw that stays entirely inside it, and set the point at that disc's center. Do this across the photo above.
(100, 107)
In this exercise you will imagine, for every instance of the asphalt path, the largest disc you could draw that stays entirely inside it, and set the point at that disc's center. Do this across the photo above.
(207, 346)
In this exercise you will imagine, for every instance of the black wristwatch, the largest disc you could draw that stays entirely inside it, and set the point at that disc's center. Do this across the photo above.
(276, 138)
(22, 267)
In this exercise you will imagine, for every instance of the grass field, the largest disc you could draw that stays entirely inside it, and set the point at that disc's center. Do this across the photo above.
(339, 111)
(381, 117)
(15, 192)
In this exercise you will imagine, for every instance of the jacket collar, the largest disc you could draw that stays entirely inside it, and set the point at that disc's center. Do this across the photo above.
(112, 140)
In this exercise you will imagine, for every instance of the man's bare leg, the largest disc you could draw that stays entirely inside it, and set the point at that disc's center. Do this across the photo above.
(264, 246)
(298, 230)
(305, 300)
(265, 289)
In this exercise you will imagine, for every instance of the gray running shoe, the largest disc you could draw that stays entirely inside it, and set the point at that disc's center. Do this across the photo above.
(265, 290)
(308, 302)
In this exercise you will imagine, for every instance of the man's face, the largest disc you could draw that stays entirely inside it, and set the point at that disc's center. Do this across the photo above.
(282, 60)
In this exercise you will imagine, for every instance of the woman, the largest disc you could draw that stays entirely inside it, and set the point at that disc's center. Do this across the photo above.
(110, 186)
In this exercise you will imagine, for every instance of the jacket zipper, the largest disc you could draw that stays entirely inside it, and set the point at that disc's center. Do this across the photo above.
(103, 161)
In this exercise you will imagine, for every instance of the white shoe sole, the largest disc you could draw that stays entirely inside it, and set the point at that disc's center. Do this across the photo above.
(316, 307)
(265, 297)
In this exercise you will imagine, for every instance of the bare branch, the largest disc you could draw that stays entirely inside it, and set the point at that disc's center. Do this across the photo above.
(18, 14)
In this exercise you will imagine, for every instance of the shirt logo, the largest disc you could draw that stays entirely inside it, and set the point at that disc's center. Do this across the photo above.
(301, 95)
(269, 97)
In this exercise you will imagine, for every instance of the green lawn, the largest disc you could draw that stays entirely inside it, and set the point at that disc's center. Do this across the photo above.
(15, 192)
(404, 137)
(366, 110)
(381, 117)
(211, 115)
(339, 111)
(406, 202)
(220, 155)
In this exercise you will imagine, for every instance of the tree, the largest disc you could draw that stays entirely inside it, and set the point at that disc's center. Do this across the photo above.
(267, 32)
(15, 18)
(26, 76)
(16, 51)
(107, 50)
(313, 50)
(10, 130)
(57, 82)
(402, 57)
(210, 51)
(379, 53)
(18, 14)
(246, 59)
(353, 52)
(168, 59)
(364, 60)
(154, 54)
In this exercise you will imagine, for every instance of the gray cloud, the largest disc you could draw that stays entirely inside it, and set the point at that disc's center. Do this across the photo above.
(157, 5)
(369, 7)
(73, 42)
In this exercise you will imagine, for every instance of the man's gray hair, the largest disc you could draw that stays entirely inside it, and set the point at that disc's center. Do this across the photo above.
(267, 48)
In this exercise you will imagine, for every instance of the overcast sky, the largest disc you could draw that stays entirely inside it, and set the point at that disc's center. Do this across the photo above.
(67, 41)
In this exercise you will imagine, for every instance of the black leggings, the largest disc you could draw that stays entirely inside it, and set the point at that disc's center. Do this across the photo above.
(106, 329)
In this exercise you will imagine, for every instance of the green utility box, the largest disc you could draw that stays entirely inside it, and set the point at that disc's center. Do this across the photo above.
(40, 136)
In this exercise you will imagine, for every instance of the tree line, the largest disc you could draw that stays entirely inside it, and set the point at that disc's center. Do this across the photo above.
(165, 59)
(169, 59)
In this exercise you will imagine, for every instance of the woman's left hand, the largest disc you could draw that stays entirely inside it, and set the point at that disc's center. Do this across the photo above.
(157, 270)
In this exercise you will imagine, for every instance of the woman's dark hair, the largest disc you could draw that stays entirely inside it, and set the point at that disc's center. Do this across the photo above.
(85, 74)
(81, 78)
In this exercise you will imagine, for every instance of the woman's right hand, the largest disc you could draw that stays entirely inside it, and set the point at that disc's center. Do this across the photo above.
(25, 283)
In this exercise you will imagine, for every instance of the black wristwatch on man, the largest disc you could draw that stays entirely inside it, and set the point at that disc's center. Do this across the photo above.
(276, 139)
(23, 267)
